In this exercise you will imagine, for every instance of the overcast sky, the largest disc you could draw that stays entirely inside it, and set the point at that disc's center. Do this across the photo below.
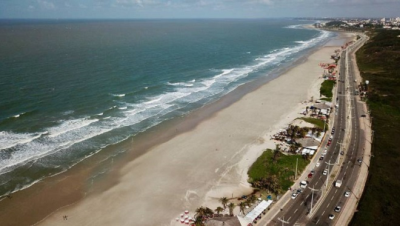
(197, 8)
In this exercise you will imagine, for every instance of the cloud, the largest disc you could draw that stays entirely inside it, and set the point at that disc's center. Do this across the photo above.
(45, 4)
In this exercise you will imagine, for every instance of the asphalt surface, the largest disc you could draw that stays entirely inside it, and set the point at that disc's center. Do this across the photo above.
(298, 211)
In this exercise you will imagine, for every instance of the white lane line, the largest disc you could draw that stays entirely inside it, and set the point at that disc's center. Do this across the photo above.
(323, 212)
(332, 198)
(301, 203)
(295, 211)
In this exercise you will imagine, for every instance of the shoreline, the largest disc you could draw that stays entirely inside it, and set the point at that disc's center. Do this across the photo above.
(119, 174)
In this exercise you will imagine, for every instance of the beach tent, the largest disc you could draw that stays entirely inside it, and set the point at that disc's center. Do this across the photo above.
(252, 215)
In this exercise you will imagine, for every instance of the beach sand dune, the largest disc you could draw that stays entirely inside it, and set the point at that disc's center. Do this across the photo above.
(208, 162)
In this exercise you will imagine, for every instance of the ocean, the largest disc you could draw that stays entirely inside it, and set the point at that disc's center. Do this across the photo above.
(71, 88)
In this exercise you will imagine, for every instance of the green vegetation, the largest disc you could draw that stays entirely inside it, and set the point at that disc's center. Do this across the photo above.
(274, 171)
(335, 23)
(318, 122)
(379, 61)
(326, 89)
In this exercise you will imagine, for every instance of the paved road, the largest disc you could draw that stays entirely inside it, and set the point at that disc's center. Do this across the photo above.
(297, 212)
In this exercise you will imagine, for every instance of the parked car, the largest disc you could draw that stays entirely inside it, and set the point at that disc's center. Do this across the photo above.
(325, 172)
(309, 175)
(337, 209)
(347, 194)
(312, 172)
(318, 164)
(321, 158)
(331, 216)
(363, 115)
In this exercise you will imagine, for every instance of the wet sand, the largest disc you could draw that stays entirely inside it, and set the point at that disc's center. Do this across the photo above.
(193, 164)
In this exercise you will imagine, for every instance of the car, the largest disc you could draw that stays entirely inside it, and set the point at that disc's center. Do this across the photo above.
(312, 172)
(342, 152)
(303, 184)
(321, 158)
(294, 195)
(318, 164)
(299, 191)
(329, 143)
(325, 172)
(359, 160)
(337, 209)
(331, 216)
(363, 116)
(309, 175)
(347, 194)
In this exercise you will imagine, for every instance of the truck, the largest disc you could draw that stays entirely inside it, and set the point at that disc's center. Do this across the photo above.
(338, 183)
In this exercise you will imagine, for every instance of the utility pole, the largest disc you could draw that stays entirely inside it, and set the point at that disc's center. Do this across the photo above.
(297, 161)
(312, 196)
(327, 175)
(283, 221)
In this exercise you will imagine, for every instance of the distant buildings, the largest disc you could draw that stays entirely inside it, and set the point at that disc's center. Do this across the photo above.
(358, 23)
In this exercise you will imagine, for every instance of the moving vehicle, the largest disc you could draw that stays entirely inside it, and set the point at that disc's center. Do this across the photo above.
(331, 216)
(303, 184)
(294, 195)
(338, 183)
(338, 208)
(347, 194)
(325, 172)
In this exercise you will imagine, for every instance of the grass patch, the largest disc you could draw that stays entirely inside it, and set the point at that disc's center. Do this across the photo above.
(378, 63)
(326, 88)
(317, 122)
(327, 99)
(283, 168)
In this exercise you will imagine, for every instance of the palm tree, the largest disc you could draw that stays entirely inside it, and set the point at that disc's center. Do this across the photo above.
(200, 212)
(219, 209)
(224, 201)
(252, 199)
(231, 206)
(242, 206)
(208, 212)
(198, 221)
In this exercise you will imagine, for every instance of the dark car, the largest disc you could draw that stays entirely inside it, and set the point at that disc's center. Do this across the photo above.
(309, 175)
(321, 158)
(363, 115)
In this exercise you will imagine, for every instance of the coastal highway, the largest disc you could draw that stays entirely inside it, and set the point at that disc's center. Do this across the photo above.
(298, 211)
(349, 168)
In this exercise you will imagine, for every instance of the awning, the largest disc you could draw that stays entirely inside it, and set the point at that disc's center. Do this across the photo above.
(257, 210)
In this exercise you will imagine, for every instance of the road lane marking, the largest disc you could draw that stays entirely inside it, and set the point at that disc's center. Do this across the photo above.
(295, 211)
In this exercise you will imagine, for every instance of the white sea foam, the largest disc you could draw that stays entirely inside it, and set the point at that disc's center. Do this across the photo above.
(118, 95)
(69, 125)
(122, 108)
(10, 139)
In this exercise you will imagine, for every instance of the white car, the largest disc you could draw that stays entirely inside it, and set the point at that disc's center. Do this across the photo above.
(337, 209)
(294, 195)
(325, 172)
(331, 216)
(347, 194)
(317, 165)
(303, 184)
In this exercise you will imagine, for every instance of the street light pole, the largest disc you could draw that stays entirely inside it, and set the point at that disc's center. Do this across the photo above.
(327, 175)
(283, 221)
(312, 196)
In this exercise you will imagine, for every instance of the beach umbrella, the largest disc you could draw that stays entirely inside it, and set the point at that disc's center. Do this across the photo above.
(177, 219)
(186, 211)
(182, 215)
(186, 217)
(182, 220)
(186, 221)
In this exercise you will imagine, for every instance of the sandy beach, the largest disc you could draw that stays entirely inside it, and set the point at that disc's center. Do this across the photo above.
(210, 161)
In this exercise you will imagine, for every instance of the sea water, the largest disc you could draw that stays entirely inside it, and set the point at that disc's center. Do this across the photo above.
(68, 89)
